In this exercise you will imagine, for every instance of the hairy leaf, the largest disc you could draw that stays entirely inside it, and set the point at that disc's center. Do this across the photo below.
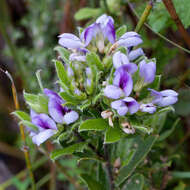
(141, 152)
(94, 124)
(78, 147)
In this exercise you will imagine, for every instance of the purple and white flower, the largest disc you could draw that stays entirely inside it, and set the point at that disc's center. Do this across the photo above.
(103, 26)
(77, 57)
(147, 71)
(121, 61)
(60, 113)
(149, 108)
(134, 54)
(46, 127)
(125, 105)
(164, 97)
(129, 39)
(122, 83)
(70, 41)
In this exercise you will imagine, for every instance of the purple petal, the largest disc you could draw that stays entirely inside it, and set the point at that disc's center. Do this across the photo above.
(56, 110)
(70, 72)
(119, 59)
(69, 36)
(123, 80)
(70, 117)
(155, 93)
(132, 104)
(88, 71)
(52, 94)
(116, 104)
(43, 136)
(77, 57)
(130, 68)
(166, 101)
(130, 34)
(129, 42)
(106, 24)
(149, 108)
(168, 93)
(70, 41)
(90, 32)
(135, 54)
(110, 32)
(33, 113)
(44, 121)
(147, 71)
(113, 92)
(122, 110)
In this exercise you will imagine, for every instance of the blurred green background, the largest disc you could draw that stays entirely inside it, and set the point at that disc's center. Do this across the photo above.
(28, 35)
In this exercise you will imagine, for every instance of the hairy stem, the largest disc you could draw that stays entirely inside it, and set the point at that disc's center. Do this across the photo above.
(171, 9)
(144, 16)
(109, 167)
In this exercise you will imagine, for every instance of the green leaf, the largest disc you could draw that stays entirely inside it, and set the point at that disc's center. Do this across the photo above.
(94, 124)
(92, 183)
(168, 132)
(141, 152)
(29, 124)
(87, 12)
(121, 30)
(113, 134)
(166, 109)
(38, 103)
(93, 59)
(136, 182)
(62, 74)
(21, 115)
(102, 177)
(43, 102)
(181, 175)
(78, 147)
(69, 98)
(64, 53)
(156, 83)
(182, 9)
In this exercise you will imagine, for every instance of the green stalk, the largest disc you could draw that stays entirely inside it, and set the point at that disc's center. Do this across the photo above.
(144, 16)
(23, 137)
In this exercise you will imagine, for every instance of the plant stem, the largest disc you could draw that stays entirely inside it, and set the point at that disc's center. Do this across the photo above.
(21, 127)
(109, 167)
(64, 170)
(144, 16)
(171, 9)
(91, 146)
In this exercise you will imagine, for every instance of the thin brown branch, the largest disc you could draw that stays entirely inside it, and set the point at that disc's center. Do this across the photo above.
(172, 11)
(21, 127)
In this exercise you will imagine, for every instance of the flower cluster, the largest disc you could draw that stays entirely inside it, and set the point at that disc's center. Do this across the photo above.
(111, 85)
